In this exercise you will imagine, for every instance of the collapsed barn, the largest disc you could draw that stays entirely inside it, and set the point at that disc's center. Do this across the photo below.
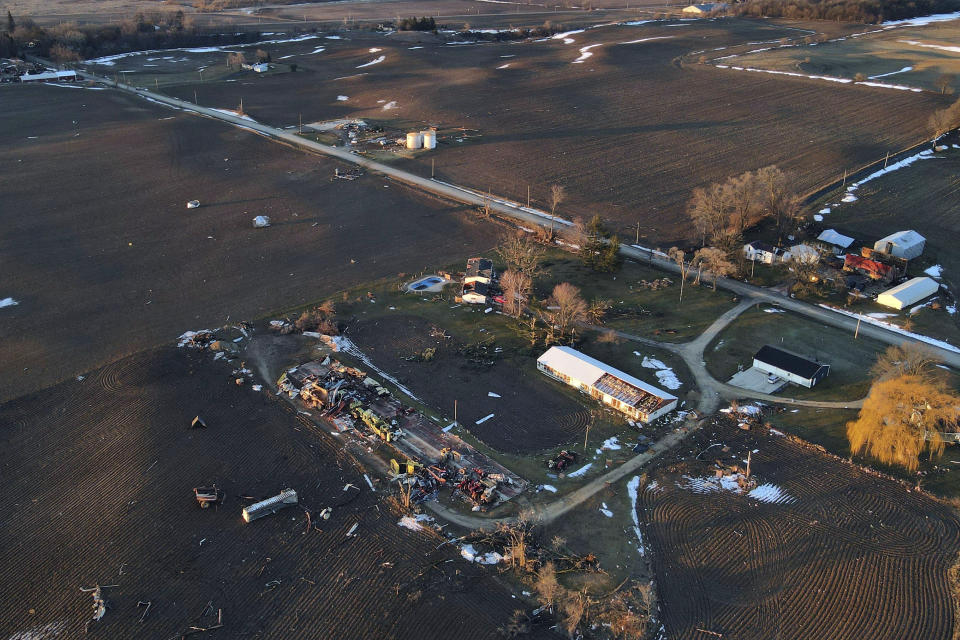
(431, 458)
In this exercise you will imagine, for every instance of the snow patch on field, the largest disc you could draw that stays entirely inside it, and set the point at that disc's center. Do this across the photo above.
(923, 20)
(793, 74)
(892, 73)
(632, 490)
(8, 302)
(231, 112)
(585, 53)
(936, 271)
(343, 98)
(565, 36)
(927, 45)
(613, 444)
(770, 493)
(665, 374)
(376, 60)
(470, 555)
(550, 488)
(647, 39)
(895, 328)
(413, 522)
(390, 105)
(605, 511)
(581, 471)
(484, 419)
(504, 66)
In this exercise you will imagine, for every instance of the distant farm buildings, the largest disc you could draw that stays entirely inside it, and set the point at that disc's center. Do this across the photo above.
(902, 244)
(911, 291)
(790, 366)
(623, 392)
(703, 9)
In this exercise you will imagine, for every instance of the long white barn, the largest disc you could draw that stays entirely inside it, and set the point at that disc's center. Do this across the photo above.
(613, 387)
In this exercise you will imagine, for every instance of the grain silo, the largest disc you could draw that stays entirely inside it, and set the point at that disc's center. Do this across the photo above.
(429, 139)
(414, 140)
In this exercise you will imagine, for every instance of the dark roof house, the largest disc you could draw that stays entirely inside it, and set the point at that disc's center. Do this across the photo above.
(790, 366)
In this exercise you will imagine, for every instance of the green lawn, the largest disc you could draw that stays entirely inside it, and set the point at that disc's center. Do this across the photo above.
(656, 314)
(850, 360)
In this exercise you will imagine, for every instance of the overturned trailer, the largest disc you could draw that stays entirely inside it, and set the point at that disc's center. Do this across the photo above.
(286, 498)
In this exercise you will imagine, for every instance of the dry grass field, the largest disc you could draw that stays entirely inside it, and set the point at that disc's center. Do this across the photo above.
(912, 56)
(99, 477)
(829, 552)
(628, 130)
(104, 259)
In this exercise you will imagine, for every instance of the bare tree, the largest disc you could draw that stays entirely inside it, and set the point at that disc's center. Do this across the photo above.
(566, 307)
(744, 197)
(557, 195)
(516, 287)
(521, 253)
(805, 263)
(709, 210)
(777, 197)
(945, 120)
(944, 83)
(677, 255)
(547, 587)
(716, 263)
(907, 359)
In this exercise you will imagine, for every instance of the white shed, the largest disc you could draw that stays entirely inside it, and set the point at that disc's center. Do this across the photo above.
(911, 291)
(902, 244)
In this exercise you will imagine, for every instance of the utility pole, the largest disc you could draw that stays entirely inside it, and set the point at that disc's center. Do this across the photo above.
(856, 331)
(638, 232)
(201, 75)
(844, 177)
(195, 97)
(528, 196)
(885, 160)
(454, 411)
(432, 163)
(300, 127)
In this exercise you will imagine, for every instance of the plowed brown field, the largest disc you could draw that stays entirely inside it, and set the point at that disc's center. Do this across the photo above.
(629, 131)
(104, 258)
(98, 479)
(529, 416)
(841, 554)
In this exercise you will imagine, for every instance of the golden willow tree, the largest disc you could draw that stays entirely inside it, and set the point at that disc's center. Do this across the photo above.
(902, 418)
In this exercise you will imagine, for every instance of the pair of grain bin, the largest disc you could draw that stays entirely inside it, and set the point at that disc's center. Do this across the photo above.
(422, 139)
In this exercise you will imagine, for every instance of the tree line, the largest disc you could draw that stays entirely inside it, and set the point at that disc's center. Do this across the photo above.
(868, 11)
(68, 41)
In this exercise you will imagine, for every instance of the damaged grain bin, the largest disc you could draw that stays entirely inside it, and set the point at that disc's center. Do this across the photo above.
(261, 221)
(284, 499)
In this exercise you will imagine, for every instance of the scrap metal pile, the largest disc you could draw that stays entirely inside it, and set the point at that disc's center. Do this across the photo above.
(353, 401)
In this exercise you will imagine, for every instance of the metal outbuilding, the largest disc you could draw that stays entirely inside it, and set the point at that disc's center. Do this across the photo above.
(613, 387)
(832, 236)
(790, 366)
(902, 244)
(911, 291)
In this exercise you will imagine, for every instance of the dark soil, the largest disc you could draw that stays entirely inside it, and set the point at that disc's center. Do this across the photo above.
(529, 416)
(104, 258)
(98, 489)
(853, 555)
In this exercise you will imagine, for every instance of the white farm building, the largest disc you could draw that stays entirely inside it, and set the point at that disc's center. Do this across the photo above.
(913, 290)
(902, 244)
(613, 387)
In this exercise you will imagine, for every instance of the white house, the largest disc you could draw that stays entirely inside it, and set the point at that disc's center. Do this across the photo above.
(613, 387)
(479, 270)
(762, 252)
(913, 290)
(839, 241)
(902, 244)
(790, 366)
